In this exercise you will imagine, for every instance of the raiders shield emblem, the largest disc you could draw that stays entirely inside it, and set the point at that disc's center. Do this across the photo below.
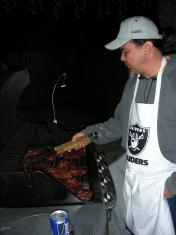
(137, 138)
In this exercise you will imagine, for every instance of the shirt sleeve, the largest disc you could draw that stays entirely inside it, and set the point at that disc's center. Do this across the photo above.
(109, 130)
(114, 128)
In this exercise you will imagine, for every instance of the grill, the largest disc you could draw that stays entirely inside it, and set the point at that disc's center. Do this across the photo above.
(38, 178)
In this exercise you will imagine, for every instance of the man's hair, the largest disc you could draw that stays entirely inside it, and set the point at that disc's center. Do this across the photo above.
(157, 43)
(169, 40)
(166, 45)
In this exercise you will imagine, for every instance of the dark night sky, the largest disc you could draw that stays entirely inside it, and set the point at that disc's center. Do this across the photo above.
(70, 37)
(83, 24)
(50, 37)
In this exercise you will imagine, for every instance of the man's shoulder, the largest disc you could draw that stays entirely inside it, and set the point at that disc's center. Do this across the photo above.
(171, 61)
(171, 66)
(132, 79)
(169, 79)
(130, 84)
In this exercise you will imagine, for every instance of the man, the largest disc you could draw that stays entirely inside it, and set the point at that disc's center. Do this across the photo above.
(145, 119)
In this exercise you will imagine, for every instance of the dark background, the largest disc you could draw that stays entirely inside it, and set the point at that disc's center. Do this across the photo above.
(54, 37)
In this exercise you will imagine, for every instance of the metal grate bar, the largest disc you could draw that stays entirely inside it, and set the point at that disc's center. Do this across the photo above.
(14, 150)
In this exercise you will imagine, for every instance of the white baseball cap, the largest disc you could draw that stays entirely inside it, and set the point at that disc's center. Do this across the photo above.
(137, 27)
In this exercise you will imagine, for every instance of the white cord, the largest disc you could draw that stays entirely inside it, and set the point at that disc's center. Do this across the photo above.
(62, 84)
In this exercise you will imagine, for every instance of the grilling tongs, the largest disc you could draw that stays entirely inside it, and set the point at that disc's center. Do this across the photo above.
(29, 161)
(85, 140)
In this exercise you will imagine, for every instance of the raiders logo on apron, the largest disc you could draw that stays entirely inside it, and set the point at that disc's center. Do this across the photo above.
(147, 211)
(137, 138)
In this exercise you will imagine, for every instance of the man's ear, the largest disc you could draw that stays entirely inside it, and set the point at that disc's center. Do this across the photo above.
(148, 46)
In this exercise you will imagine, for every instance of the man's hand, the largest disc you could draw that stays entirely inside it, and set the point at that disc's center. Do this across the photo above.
(167, 194)
(76, 137)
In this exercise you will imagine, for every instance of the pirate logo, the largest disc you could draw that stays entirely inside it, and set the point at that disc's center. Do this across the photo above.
(137, 138)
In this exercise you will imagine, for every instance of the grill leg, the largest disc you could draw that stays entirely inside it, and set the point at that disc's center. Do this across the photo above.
(108, 216)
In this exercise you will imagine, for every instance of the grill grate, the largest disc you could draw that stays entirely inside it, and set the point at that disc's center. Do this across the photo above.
(14, 150)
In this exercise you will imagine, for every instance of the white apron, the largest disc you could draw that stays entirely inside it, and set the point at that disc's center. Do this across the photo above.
(147, 211)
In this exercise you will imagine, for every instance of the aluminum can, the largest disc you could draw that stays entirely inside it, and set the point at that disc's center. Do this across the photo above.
(59, 221)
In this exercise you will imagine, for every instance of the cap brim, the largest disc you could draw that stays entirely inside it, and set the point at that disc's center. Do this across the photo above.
(117, 43)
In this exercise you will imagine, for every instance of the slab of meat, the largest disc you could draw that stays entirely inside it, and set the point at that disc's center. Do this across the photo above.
(69, 169)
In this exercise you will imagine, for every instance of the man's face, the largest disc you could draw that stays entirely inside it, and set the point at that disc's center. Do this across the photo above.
(133, 56)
